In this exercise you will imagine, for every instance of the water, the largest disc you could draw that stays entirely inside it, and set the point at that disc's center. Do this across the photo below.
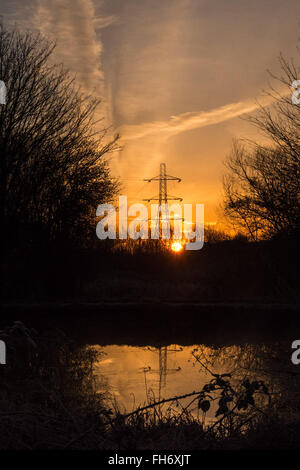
(137, 375)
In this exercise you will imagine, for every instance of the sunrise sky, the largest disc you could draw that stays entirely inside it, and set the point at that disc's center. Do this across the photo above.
(174, 75)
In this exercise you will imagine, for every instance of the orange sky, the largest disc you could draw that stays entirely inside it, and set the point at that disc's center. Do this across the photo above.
(174, 76)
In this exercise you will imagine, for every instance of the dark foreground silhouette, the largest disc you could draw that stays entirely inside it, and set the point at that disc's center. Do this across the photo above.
(50, 399)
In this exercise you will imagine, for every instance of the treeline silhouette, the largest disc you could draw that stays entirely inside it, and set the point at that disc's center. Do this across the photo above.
(53, 171)
(262, 182)
(228, 271)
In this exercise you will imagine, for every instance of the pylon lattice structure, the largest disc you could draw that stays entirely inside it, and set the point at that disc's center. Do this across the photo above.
(162, 197)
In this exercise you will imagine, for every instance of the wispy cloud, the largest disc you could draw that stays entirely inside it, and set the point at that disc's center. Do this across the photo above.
(71, 24)
(101, 23)
(74, 26)
(187, 121)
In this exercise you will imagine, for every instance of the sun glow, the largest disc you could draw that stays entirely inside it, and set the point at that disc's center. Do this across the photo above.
(176, 246)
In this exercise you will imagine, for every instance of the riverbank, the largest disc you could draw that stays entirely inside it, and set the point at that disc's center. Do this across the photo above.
(156, 323)
(49, 399)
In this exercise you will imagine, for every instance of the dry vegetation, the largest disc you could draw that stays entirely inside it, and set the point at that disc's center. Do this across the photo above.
(50, 399)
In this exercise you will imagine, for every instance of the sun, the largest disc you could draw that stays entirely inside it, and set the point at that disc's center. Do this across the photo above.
(176, 246)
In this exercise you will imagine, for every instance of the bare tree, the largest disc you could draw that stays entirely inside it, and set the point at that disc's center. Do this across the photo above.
(262, 183)
(53, 171)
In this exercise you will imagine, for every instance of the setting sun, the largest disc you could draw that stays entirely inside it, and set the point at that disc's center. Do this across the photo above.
(176, 246)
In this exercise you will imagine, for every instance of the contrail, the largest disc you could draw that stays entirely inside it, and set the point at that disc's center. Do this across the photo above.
(187, 121)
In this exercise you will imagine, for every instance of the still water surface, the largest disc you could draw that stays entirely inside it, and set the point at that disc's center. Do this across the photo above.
(136, 374)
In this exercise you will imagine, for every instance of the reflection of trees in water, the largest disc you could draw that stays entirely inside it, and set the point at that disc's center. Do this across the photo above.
(240, 389)
(268, 362)
(220, 407)
(49, 396)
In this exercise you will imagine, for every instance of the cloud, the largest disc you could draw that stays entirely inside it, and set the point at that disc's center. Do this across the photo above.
(74, 26)
(187, 121)
(101, 23)
(71, 24)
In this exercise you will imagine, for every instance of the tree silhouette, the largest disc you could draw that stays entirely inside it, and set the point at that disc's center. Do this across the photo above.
(53, 171)
(262, 183)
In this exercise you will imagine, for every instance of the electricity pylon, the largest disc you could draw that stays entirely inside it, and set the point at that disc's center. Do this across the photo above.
(163, 369)
(162, 197)
(163, 366)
